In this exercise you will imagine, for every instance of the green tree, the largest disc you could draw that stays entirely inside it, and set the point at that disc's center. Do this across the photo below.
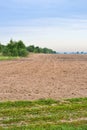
(21, 48)
(37, 50)
(23, 52)
(14, 48)
(31, 48)
(0, 48)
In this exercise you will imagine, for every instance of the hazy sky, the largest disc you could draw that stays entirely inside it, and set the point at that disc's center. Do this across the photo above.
(57, 24)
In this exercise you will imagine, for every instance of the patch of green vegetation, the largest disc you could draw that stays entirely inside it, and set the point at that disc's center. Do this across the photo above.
(46, 102)
(8, 58)
(44, 114)
(63, 126)
(77, 100)
(18, 48)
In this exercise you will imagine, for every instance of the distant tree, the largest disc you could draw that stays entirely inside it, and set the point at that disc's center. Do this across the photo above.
(20, 45)
(18, 48)
(82, 52)
(37, 49)
(10, 48)
(31, 48)
(1, 48)
(45, 50)
(65, 52)
(23, 52)
(41, 50)
(54, 52)
(14, 48)
(77, 52)
(21, 48)
(5, 52)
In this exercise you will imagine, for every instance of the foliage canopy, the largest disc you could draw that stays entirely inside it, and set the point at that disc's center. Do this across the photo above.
(18, 48)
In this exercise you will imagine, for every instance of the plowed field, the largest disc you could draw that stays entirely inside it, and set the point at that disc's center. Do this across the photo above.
(44, 76)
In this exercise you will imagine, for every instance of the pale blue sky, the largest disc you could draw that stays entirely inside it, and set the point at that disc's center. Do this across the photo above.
(58, 24)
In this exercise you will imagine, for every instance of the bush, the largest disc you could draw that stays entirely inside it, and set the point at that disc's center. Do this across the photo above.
(18, 48)
(37, 49)
(15, 49)
(23, 52)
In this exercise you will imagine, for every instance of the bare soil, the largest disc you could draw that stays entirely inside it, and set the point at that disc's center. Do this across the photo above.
(44, 76)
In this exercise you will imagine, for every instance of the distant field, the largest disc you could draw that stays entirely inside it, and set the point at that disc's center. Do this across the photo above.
(44, 114)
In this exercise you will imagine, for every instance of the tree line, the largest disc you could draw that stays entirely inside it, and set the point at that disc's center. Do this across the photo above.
(18, 48)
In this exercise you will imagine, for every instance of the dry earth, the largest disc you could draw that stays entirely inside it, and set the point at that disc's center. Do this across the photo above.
(44, 76)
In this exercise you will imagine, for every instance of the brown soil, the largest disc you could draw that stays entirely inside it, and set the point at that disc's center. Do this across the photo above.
(44, 76)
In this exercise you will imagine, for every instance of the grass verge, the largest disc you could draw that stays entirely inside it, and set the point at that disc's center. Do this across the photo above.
(44, 114)
(7, 58)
